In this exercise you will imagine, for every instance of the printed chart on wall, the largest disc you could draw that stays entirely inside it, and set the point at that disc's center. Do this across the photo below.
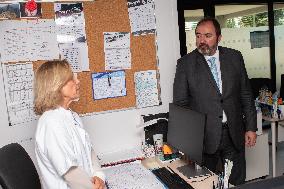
(146, 88)
(141, 14)
(117, 50)
(18, 84)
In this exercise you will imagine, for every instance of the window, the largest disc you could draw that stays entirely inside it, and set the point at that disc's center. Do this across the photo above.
(245, 28)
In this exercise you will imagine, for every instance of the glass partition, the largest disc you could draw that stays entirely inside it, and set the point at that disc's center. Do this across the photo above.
(279, 41)
(245, 28)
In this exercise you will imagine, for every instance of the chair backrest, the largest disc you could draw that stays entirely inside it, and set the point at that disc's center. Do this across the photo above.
(17, 170)
(258, 83)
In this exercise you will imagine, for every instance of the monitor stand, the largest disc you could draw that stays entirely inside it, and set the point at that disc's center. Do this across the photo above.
(193, 170)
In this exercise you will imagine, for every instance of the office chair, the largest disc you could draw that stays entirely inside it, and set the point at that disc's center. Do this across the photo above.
(17, 170)
(258, 83)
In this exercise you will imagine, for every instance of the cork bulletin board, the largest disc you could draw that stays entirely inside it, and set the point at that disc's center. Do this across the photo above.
(112, 16)
(108, 16)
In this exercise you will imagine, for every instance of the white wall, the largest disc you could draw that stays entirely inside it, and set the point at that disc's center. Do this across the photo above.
(116, 130)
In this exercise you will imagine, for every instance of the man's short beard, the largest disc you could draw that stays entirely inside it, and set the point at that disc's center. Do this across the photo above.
(205, 49)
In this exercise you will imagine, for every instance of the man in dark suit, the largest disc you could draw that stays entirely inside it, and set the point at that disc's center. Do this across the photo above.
(213, 80)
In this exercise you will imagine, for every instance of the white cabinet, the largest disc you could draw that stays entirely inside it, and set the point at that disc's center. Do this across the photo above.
(280, 131)
(257, 158)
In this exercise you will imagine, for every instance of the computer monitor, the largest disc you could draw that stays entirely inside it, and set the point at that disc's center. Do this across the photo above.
(186, 133)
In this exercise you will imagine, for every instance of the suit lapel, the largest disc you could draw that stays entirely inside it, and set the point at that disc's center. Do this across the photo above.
(224, 69)
(201, 60)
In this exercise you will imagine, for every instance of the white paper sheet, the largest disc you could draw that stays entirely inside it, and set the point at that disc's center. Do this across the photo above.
(117, 50)
(18, 84)
(71, 35)
(42, 40)
(28, 40)
(146, 88)
(131, 176)
(76, 54)
(142, 16)
(70, 22)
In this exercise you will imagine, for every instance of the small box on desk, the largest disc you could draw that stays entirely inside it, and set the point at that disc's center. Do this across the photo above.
(167, 158)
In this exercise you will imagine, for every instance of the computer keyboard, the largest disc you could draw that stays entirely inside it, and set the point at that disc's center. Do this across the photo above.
(171, 179)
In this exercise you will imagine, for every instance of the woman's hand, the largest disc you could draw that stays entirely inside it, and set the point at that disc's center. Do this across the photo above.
(98, 183)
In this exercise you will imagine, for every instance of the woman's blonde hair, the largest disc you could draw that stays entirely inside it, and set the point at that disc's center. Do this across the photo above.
(50, 78)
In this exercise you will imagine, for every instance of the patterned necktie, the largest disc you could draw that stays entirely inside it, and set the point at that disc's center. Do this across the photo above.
(214, 71)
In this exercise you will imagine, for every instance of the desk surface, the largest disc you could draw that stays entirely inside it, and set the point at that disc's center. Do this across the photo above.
(271, 183)
(266, 118)
(197, 183)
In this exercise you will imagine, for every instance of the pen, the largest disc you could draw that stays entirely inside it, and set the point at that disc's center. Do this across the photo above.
(108, 80)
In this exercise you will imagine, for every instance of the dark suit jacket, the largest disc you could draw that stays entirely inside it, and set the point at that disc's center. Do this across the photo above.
(195, 87)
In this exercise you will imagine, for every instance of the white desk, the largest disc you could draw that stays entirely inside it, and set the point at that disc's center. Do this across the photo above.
(197, 183)
(274, 140)
(260, 152)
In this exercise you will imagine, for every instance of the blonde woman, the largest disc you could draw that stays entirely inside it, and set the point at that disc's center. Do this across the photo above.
(63, 148)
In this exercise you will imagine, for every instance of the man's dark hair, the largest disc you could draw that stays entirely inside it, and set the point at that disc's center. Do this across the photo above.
(215, 23)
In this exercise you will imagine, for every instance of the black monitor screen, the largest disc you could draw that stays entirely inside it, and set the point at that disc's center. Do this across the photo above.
(186, 131)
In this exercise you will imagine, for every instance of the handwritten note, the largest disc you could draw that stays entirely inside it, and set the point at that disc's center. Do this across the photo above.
(28, 40)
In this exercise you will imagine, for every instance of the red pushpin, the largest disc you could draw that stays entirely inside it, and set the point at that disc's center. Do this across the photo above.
(31, 8)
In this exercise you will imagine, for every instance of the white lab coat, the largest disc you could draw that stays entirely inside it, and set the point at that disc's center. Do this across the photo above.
(62, 143)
